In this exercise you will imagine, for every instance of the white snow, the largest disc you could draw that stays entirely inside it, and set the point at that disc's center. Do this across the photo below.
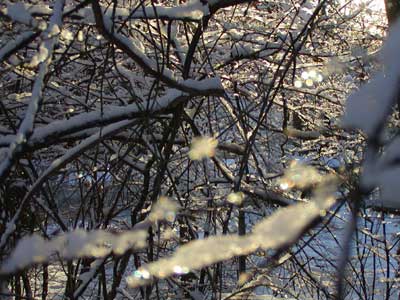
(203, 85)
(78, 243)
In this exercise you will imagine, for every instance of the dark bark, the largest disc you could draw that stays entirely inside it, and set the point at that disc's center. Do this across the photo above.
(392, 11)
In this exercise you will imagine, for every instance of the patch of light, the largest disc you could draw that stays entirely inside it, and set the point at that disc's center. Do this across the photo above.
(298, 84)
(284, 185)
(142, 274)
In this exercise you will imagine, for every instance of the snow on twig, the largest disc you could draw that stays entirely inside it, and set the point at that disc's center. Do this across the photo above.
(109, 115)
(13, 44)
(211, 86)
(75, 244)
(79, 243)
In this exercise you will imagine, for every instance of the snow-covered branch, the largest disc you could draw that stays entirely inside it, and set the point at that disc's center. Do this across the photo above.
(267, 234)
(75, 244)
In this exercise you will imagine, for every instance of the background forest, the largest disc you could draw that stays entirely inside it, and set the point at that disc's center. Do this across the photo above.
(220, 149)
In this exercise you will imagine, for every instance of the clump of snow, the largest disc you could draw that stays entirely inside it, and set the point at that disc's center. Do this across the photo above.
(202, 147)
(40, 56)
(67, 35)
(80, 36)
(164, 209)
(236, 198)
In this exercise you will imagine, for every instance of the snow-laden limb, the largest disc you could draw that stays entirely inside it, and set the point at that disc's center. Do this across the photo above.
(165, 209)
(206, 87)
(79, 243)
(109, 115)
(11, 46)
(44, 58)
(45, 134)
(193, 10)
(75, 244)
(267, 234)
(368, 109)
